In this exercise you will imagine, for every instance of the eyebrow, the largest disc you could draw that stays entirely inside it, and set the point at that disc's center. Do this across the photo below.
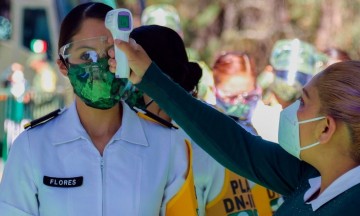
(84, 47)
(306, 93)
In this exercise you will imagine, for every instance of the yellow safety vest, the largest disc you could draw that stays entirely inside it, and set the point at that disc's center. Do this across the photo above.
(184, 202)
(266, 200)
(236, 196)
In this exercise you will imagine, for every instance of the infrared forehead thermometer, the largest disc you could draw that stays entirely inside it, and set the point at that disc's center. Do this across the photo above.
(120, 23)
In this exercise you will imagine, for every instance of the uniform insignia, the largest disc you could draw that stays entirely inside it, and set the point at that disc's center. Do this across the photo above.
(63, 182)
(43, 119)
(145, 114)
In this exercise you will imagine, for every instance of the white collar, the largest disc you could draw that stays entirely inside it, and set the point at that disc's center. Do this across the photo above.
(340, 185)
(131, 129)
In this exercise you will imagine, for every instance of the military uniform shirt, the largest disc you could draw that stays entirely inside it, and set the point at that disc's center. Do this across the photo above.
(55, 170)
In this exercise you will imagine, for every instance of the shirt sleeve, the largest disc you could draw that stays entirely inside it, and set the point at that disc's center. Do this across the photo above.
(250, 156)
(18, 193)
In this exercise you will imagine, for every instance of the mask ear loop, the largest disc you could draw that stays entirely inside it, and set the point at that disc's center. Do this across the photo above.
(149, 103)
(153, 116)
(63, 61)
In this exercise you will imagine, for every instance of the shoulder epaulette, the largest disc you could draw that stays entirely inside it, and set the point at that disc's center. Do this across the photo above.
(145, 114)
(43, 119)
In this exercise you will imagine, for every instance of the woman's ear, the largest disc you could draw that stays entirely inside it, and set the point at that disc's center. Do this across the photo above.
(328, 128)
(62, 67)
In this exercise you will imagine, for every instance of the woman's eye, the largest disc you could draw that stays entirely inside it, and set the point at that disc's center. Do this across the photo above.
(89, 56)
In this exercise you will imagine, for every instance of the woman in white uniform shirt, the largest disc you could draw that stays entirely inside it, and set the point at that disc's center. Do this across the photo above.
(97, 157)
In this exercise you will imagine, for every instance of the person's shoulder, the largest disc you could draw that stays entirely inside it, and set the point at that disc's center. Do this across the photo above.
(44, 119)
(153, 121)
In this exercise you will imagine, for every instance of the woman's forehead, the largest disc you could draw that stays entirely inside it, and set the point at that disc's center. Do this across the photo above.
(310, 91)
(91, 28)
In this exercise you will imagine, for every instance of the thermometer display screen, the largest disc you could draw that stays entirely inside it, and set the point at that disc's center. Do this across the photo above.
(123, 22)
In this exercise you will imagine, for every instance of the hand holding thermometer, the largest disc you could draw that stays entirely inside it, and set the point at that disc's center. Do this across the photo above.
(120, 23)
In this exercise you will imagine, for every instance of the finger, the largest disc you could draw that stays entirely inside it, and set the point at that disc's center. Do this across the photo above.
(112, 65)
(112, 62)
(138, 59)
(133, 44)
(112, 69)
(126, 47)
(111, 52)
(110, 40)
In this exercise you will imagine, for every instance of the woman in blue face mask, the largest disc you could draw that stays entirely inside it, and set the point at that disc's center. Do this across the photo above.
(316, 165)
(97, 157)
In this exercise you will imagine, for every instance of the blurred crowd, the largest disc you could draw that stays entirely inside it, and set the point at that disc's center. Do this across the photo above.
(252, 96)
(23, 99)
(232, 83)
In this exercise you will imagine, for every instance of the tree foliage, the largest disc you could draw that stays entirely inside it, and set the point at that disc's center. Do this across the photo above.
(253, 26)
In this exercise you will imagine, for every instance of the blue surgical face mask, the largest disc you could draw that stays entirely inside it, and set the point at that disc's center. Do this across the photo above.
(289, 138)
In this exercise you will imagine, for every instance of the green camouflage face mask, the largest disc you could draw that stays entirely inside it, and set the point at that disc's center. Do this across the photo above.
(96, 85)
(136, 98)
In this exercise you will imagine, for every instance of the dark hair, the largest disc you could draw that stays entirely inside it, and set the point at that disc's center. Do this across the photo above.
(166, 48)
(74, 19)
(338, 54)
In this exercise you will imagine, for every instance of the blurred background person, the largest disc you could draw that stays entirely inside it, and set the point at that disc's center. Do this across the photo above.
(168, 16)
(16, 114)
(163, 15)
(293, 64)
(45, 78)
(335, 55)
(238, 95)
(46, 94)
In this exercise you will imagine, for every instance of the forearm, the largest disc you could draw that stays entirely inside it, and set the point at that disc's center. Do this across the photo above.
(247, 155)
(189, 113)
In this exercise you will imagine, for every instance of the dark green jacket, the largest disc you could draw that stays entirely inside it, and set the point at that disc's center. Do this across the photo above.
(250, 156)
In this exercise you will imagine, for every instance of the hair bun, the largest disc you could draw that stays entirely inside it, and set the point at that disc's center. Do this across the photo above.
(192, 76)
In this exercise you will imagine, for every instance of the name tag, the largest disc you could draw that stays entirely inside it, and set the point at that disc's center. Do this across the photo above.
(63, 182)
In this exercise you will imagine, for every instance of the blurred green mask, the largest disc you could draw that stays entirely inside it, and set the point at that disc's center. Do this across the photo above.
(163, 15)
(294, 64)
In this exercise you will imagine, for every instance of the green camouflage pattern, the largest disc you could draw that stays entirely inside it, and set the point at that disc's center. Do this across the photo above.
(163, 15)
(96, 85)
(294, 55)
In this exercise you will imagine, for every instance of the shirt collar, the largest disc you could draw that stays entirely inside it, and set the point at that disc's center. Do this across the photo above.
(131, 129)
(340, 185)
(69, 126)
